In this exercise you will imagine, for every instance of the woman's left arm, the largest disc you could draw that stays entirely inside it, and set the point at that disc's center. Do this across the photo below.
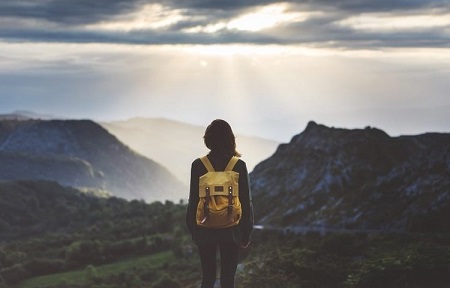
(245, 196)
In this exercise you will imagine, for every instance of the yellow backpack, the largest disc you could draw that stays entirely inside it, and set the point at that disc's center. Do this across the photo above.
(219, 205)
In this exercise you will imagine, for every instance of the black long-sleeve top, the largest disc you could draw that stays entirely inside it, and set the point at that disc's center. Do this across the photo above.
(239, 234)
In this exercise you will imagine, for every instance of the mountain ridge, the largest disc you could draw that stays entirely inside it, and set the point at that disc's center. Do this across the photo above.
(355, 178)
(83, 154)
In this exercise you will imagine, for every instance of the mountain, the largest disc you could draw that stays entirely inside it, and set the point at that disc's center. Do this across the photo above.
(175, 144)
(356, 179)
(81, 153)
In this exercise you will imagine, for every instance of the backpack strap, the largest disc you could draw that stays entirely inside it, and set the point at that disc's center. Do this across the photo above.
(231, 164)
(206, 206)
(207, 164)
(230, 201)
(230, 167)
(209, 168)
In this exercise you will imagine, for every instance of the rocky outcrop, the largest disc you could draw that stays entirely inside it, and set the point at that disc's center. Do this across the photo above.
(356, 179)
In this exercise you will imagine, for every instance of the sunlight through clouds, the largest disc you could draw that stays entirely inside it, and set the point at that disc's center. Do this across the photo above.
(262, 18)
(266, 17)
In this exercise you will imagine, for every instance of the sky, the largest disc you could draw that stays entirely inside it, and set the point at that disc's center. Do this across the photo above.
(267, 67)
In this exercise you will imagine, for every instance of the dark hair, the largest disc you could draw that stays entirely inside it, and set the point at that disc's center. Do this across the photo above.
(219, 138)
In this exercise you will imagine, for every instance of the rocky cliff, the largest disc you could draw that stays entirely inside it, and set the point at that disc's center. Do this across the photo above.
(356, 179)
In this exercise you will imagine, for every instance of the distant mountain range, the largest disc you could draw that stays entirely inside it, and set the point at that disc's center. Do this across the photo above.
(328, 178)
(356, 179)
(81, 153)
(175, 144)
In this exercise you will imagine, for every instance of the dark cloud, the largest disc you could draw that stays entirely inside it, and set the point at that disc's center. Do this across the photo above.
(375, 5)
(348, 5)
(88, 11)
(140, 37)
(67, 11)
(64, 20)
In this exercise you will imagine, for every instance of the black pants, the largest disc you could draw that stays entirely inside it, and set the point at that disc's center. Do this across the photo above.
(229, 256)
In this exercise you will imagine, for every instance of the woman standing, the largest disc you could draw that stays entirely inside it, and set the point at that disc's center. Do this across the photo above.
(219, 138)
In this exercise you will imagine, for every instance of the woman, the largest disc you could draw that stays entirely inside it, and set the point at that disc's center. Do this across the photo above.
(219, 138)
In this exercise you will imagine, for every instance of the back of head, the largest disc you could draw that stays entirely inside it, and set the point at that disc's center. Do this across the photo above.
(219, 138)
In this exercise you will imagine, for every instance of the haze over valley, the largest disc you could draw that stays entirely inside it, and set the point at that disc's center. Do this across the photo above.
(175, 144)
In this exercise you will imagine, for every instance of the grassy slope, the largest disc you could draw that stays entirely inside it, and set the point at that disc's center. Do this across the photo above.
(74, 277)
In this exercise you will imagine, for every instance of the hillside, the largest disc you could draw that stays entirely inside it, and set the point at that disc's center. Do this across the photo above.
(50, 234)
(35, 208)
(80, 153)
(356, 179)
(175, 144)
(30, 208)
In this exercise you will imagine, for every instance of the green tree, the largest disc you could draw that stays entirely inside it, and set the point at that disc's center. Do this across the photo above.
(90, 274)
(14, 274)
(177, 242)
(84, 253)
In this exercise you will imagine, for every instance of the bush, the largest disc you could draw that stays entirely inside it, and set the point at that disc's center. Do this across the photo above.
(14, 274)
(344, 244)
(165, 281)
(84, 253)
(38, 267)
(90, 275)
(419, 264)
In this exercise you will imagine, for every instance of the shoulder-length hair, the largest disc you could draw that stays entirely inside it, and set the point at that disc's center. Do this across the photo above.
(219, 138)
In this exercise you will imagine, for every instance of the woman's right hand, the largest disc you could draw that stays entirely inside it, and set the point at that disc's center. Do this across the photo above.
(244, 245)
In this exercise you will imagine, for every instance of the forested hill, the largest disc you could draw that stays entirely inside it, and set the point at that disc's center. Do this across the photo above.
(359, 178)
(35, 208)
(81, 153)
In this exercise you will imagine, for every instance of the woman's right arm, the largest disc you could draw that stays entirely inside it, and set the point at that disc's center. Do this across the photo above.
(193, 198)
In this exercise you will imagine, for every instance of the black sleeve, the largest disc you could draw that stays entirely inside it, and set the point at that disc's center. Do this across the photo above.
(245, 196)
(197, 170)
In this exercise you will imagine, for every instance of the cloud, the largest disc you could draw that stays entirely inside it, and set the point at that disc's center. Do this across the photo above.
(377, 22)
(348, 24)
(66, 12)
